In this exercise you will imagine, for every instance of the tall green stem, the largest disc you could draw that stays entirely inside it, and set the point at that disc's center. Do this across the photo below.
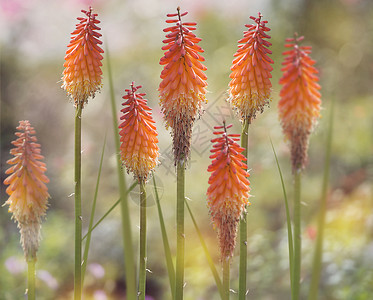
(129, 262)
(31, 278)
(243, 226)
(78, 204)
(226, 265)
(317, 258)
(180, 243)
(143, 258)
(297, 235)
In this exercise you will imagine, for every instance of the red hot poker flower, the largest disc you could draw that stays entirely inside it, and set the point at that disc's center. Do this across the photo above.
(28, 194)
(182, 90)
(229, 189)
(250, 87)
(299, 106)
(138, 135)
(82, 74)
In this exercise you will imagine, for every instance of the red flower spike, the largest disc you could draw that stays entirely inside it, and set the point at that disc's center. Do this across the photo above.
(299, 106)
(182, 90)
(28, 194)
(228, 191)
(138, 135)
(250, 87)
(82, 75)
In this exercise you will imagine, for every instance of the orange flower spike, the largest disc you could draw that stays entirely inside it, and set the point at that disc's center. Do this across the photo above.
(299, 106)
(82, 75)
(28, 194)
(250, 85)
(229, 189)
(138, 135)
(182, 89)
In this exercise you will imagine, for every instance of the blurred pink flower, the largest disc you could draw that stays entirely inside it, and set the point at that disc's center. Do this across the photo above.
(47, 277)
(15, 265)
(96, 270)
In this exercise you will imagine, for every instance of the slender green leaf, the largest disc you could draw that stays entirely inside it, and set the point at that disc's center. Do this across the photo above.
(208, 255)
(109, 211)
(129, 261)
(288, 218)
(88, 242)
(166, 245)
(317, 258)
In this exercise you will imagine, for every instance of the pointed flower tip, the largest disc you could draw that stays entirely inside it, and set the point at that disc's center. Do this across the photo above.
(27, 190)
(250, 85)
(182, 89)
(299, 106)
(228, 191)
(138, 135)
(82, 74)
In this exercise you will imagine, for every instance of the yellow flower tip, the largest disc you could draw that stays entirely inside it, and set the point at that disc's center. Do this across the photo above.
(28, 194)
(228, 191)
(82, 74)
(299, 106)
(183, 86)
(250, 85)
(138, 135)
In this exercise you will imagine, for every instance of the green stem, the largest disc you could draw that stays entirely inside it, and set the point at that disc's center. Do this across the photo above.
(243, 226)
(126, 221)
(180, 243)
(226, 263)
(297, 235)
(143, 258)
(78, 205)
(317, 258)
(31, 278)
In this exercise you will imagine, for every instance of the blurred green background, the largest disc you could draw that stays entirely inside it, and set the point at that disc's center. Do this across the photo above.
(33, 41)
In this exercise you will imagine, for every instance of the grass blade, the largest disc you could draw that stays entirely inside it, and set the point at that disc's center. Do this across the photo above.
(166, 245)
(88, 242)
(208, 255)
(129, 262)
(317, 258)
(288, 218)
(109, 211)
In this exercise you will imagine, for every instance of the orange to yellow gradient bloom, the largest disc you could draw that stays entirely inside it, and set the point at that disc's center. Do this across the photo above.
(82, 73)
(299, 106)
(228, 191)
(138, 135)
(182, 89)
(250, 85)
(28, 194)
